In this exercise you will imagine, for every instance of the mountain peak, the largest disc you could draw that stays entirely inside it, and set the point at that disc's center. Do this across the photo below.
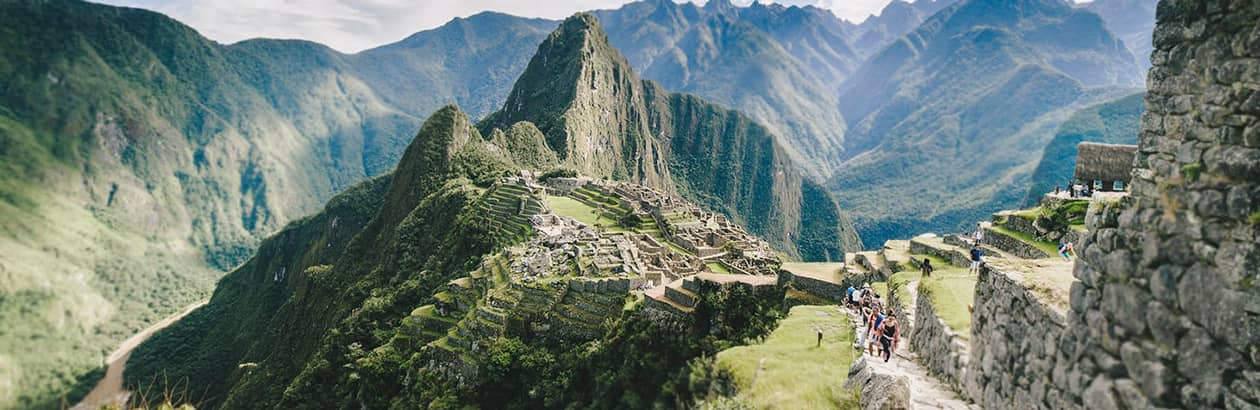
(579, 91)
(719, 6)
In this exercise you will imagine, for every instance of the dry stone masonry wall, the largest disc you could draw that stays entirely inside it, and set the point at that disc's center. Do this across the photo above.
(941, 350)
(1016, 361)
(1167, 311)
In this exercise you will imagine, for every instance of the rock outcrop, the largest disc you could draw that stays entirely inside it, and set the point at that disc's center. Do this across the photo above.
(880, 387)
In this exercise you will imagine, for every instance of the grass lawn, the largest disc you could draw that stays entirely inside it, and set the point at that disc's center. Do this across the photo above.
(787, 370)
(1029, 214)
(1049, 248)
(951, 291)
(717, 267)
(565, 206)
(899, 281)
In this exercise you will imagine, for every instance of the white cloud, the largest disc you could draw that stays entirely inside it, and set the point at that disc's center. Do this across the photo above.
(354, 25)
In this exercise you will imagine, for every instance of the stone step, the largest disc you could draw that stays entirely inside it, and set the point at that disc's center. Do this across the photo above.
(681, 296)
(655, 298)
(872, 261)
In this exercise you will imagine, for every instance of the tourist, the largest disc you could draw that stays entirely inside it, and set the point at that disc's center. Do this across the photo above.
(979, 233)
(876, 302)
(926, 267)
(848, 295)
(889, 336)
(977, 256)
(872, 325)
(855, 299)
(1065, 250)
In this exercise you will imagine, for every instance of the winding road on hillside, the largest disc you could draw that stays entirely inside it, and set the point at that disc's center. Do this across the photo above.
(110, 389)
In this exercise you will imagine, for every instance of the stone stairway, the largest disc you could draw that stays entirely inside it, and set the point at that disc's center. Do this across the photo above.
(900, 382)
(673, 297)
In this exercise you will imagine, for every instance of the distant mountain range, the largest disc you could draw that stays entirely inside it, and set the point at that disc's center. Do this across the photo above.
(947, 122)
(163, 157)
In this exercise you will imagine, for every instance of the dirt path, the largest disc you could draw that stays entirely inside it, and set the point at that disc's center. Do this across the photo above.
(110, 389)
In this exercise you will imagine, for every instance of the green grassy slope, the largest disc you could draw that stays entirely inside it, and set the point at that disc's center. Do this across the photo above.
(141, 160)
(324, 282)
(789, 371)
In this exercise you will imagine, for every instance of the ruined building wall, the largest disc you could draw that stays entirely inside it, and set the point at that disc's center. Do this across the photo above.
(1167, 310)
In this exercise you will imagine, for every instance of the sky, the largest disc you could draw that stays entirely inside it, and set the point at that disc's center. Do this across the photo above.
(355, 25)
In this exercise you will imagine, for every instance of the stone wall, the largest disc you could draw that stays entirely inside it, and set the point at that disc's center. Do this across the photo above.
(1167, 312)
(1012, 245)
(942, 351)
(821, 288)
(1016, 361)
(956, 257)
(905, 314)
(1016, 223)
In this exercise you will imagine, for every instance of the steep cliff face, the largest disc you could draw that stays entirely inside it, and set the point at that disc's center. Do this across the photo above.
(1167, 312)
(582, 94)
(603, 120)
(779, 65)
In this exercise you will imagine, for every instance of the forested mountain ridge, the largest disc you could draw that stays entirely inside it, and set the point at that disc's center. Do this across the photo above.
(947, 122)
(162, 157)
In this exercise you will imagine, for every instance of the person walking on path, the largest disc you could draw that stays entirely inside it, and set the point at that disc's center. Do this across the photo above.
(977, 256)
(889, 336)
(1066, 251)
(979, 233)
(872, 325)
(926, 267)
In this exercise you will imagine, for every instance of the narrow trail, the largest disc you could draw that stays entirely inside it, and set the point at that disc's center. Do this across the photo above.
(110, 389)
(926, 391)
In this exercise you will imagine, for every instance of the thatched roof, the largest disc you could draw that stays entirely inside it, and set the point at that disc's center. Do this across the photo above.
(1107, 162)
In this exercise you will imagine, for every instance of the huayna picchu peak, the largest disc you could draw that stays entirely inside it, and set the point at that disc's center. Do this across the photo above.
(603, 120)
(1053, 205)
